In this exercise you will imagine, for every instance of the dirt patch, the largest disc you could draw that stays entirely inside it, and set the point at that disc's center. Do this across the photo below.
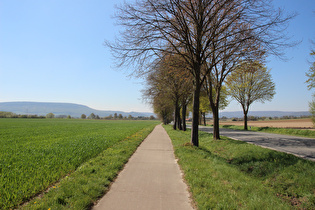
(294, 123)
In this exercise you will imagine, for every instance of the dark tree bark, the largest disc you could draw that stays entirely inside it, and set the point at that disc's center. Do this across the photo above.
(179, 120)
(195, 120)
(216, 130)
(245, 112)
(245, 121)
(184, 111)
(176, 115)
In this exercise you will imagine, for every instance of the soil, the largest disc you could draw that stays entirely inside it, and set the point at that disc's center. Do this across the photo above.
(290, 123)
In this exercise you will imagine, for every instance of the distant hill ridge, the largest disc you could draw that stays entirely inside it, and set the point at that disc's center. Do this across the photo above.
(74, 110)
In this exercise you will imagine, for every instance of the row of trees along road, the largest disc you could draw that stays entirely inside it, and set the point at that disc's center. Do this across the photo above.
(210, 36)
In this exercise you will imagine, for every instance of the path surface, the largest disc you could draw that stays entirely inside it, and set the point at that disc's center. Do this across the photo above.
(299, 146)
(150, 180)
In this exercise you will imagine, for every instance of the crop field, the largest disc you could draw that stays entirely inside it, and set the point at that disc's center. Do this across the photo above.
(36, 153)
(290, 123)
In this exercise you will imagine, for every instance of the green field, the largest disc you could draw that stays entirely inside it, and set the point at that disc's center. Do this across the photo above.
(36, 153)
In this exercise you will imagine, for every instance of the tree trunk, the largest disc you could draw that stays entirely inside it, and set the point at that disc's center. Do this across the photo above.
(184, 110)
(195, 113)
(176, 115)
(179, 120)
(216, 130)
(245, 120)
(204, 119)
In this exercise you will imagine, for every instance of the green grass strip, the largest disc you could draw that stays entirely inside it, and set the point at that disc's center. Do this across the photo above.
(81, 189)
(286, 131)
(229, 174)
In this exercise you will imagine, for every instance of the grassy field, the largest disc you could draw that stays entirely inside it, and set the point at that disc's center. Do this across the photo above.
(228, 174)
(36, 153)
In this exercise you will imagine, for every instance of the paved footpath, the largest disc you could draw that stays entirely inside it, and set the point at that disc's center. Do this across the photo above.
(150, 180)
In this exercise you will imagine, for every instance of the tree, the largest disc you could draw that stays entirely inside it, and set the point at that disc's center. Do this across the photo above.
(115, 116)
(312, 110)
(204, 107)
(120, 116)
(169, 80)
(193, 30)
(311, 74)
(92, 116)
(50, 115)
(311, 84)
(250, 82)
(163, 108)
(83, 116)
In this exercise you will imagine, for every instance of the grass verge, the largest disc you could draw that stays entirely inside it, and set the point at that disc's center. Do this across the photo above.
(229, 174)
(285, 131)
(81, 189)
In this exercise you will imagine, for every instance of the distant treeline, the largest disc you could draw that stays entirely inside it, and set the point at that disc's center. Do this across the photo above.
(13, 115)
(117, 117)
(83, 116)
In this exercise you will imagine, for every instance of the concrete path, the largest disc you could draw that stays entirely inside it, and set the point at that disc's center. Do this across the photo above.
(150, 180)
(299, 146)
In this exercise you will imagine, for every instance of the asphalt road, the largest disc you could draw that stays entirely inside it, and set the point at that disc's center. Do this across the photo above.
(299, 146)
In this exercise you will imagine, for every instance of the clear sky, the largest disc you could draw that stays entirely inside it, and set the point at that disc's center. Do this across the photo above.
(52, 51)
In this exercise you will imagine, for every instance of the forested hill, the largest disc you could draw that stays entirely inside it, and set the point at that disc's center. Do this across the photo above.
(74, 110)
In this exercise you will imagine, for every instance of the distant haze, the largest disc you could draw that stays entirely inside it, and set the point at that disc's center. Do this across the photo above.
(74, 110)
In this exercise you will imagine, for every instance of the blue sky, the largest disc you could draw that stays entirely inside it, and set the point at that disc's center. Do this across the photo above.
(52, 51)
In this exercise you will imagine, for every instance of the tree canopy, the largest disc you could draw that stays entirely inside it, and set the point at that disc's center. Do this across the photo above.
(311, 84)
(250, 82)
(311, 73)
(204, 33)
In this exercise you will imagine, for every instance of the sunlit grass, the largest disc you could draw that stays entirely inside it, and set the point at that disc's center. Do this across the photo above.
(228, 174)
(35, 153)
(81, 189)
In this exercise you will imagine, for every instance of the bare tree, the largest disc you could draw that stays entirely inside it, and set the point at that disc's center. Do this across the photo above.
(193, 29)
